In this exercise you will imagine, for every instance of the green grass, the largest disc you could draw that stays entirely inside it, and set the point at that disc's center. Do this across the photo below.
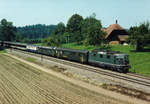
(40, 44)
(81, 47)
(2, 51)
(139, 61)
(30, 59)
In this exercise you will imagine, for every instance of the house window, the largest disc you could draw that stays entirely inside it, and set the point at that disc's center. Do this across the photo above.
(101, 56)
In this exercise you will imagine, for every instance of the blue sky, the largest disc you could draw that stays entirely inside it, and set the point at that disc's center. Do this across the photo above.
(28, 12)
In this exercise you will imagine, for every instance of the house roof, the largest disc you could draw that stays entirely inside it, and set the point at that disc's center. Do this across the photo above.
(111, 28)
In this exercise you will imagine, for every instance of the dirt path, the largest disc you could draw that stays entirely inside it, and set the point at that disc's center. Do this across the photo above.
(22, 82)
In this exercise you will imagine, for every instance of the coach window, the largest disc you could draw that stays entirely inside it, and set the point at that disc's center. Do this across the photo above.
(101, 56)
(114, 59)
(108, 56)
(78, 54)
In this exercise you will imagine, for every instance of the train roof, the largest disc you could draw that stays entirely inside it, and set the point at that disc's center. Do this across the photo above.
(63, 49)
(15, 43)
(108, 52)
(32, 45)
(72, 50)
(46, 47)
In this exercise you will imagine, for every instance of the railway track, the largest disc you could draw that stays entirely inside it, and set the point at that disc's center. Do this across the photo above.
(139, 76)
(130, 77)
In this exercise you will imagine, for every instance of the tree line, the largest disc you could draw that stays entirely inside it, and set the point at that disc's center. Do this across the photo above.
(85, 31)
(26, 34)
(33, 33)
(78, 30)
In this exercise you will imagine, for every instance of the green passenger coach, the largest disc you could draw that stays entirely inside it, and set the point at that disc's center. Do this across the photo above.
(72, 54)
(49, 51)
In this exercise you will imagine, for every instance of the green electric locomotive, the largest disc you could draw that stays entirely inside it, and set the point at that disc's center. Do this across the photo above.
(113, 60)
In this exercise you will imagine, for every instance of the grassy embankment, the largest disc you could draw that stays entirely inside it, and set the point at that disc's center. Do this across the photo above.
(2, 51)
(139, 61)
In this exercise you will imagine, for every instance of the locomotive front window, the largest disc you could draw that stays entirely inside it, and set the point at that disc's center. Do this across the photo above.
(94, 54)
(101, 56)
(121, 61)
(108, 56)
(126, 60)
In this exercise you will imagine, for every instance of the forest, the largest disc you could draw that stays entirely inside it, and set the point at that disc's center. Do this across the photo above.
(25, 34)
(38, 31)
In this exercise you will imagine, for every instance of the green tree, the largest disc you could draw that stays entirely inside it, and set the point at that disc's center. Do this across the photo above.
(19, 37)
(52, 41)
(66, 37)
(60, 29)
(91, 31)
(139, 36)
(7, 31)
(38, 31)
(57, 35)
(74, 27)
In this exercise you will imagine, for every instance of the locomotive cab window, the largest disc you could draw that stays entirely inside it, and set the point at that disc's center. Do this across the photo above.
(94, 54)
(101, 56)
(108, 56)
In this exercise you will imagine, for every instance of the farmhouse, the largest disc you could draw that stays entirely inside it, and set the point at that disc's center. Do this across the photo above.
(115, 34)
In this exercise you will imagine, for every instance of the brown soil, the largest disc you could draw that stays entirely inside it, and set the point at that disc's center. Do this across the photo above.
(21, 83)
(102, 96)
(128, 91)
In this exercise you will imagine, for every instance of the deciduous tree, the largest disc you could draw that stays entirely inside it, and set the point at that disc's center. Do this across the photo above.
(74, 27)
(91, 31)
(7, 31)
(140, 35)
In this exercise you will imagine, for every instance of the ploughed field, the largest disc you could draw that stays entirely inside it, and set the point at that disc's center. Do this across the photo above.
(24, 84)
